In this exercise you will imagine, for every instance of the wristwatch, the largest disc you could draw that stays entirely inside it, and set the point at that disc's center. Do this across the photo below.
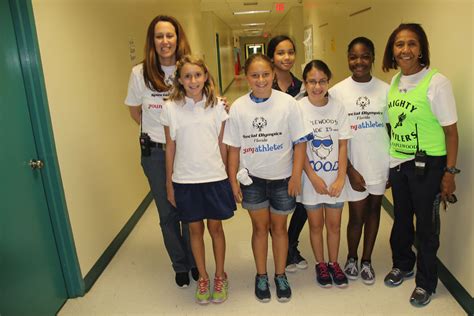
(452, 170)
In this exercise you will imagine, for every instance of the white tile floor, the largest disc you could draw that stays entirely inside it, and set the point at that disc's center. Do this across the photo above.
(140, 281)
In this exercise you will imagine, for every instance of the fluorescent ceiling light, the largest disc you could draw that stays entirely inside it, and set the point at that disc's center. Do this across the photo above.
(253, 30)
(251, 12)
(252, 24)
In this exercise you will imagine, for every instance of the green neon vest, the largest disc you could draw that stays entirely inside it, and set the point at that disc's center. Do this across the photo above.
(410, 108)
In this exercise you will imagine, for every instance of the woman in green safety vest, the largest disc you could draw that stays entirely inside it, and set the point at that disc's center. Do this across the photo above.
(423, 152)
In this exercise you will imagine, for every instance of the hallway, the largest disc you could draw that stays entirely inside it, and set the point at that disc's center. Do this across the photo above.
(140, 281)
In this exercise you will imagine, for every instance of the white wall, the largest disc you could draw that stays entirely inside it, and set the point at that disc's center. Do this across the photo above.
(84, 48)
(449, 27)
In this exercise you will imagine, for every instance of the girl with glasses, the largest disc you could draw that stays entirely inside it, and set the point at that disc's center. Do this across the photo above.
(325, 170)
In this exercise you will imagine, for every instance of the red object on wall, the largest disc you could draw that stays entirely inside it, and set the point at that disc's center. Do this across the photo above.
(279, 7)
(237, 65)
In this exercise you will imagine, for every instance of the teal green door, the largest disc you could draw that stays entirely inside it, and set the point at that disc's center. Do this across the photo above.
(31, 278)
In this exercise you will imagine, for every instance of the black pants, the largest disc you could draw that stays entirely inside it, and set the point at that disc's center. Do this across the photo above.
(298, 219)
(414, 195)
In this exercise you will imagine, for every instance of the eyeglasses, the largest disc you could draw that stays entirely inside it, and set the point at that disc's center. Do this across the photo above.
(321, 82)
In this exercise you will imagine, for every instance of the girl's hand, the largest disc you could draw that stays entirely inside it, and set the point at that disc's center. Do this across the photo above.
(236, 191)
(226, 104)
(170, 194)
(356, 179)
(294, 186)
(336, 188)
(318, 184)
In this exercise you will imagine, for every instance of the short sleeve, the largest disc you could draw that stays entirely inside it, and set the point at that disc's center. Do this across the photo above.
(232, 129)
(167, 120)
(135, 91)
(222, 113)
(443, 104)
(296, 125)
(344, 124)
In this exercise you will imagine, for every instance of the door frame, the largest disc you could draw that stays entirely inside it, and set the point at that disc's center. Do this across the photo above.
(30, 63)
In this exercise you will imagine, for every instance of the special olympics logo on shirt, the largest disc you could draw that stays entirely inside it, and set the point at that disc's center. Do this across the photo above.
(363, 102)
(259, 123)
(322, 146)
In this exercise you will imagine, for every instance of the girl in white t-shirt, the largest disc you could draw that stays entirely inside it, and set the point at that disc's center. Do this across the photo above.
(365, 100)
(325, 170)
(263, 134)
(197, 183)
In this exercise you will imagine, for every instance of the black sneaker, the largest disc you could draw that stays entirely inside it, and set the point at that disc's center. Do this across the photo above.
(322, 275)
(367, 273)
(182, 279)
(195, 273)
(300, 262)
(396, 276)
(350, 269)
(262, 288)
(338, 276)
(420, 297)
(283, 289)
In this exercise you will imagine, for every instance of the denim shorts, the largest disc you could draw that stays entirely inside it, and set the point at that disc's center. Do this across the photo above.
(264, 193)
(325, 205)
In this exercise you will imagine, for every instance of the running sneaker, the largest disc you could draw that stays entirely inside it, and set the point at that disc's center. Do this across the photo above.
(221, 287)
(367, 273)
(203, 291)
(350, 269)
(290, 264)
(182, 279)
(262, 288)
(299, 261)
(322, 275)
(420, 297)
(337, 275)
(283, 289)
(396, 276)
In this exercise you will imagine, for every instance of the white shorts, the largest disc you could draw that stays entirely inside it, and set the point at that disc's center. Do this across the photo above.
(374, 189)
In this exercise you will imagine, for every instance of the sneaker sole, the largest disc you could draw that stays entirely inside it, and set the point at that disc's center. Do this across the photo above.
(351, 277)
(302, 266)
(263, 300)
(291, 269)
(368, 282)
(324, 286)
(219, 301)
(341, 286)
(390, 283)
(283, 299)
(202, 302)
(182, 286)
(415, 304)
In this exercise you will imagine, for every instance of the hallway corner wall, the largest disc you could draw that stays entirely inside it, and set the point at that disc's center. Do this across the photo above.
(450, 33)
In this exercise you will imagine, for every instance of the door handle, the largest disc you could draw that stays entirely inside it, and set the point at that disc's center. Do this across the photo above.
(36, 164)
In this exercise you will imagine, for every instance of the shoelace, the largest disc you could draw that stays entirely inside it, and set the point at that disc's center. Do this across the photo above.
(262, 283)
(396, 272)
(337, 271)
(420, 290)
(282, 283)
(203, 285)
(218, 284)
(366, 268)
(323, 270)
(352, 266)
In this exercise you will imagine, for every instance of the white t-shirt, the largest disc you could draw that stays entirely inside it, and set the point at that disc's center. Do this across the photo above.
(440, 96)
(366, 106)
(265, 133)
(329, 124)
(150, 101)
(195, 130)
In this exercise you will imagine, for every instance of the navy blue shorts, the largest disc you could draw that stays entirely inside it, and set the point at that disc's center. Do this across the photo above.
(199, 201)
(264, 193)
